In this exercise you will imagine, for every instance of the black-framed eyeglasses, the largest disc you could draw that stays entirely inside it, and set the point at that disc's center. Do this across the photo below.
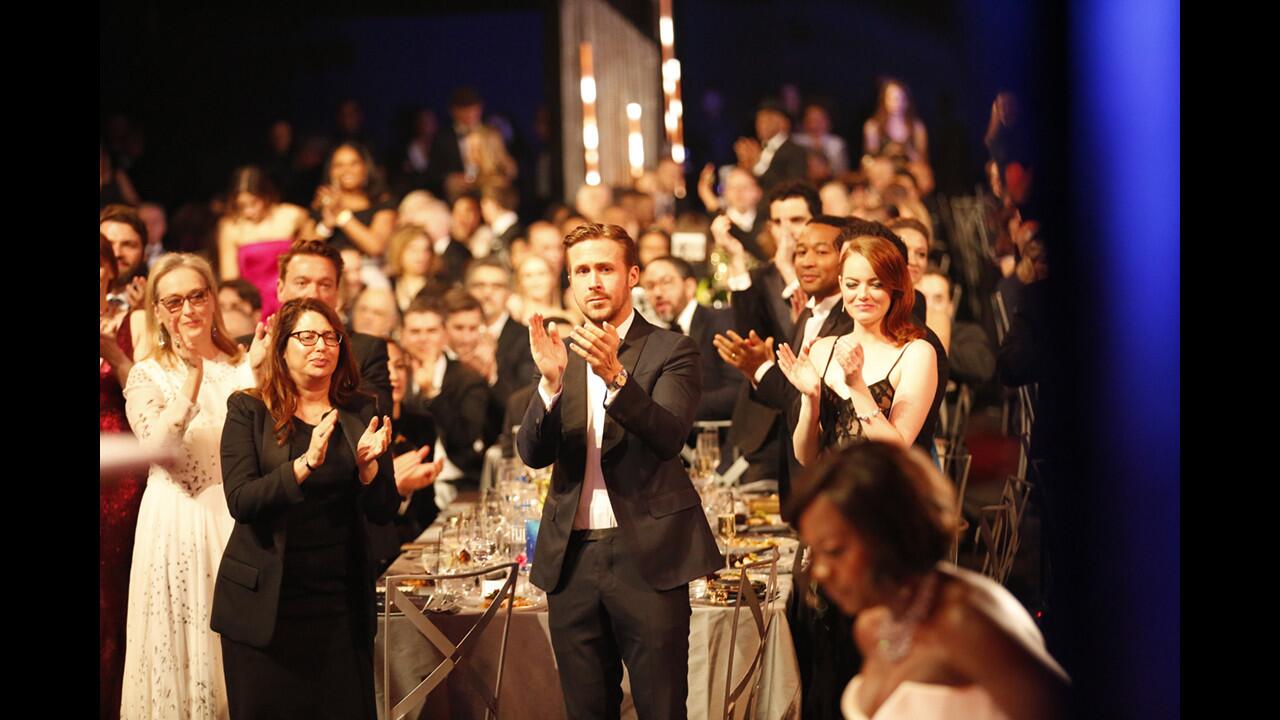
(174, 303)
(311, 337)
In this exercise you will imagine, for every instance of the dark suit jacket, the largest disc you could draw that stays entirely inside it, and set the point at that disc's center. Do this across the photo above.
(446, 158)
(257, 476)
(760, 308)
(720, 382)
(659, 513)
(750, 238)
(516, 370)
(453, 263)
(459, 410)
(789, 163)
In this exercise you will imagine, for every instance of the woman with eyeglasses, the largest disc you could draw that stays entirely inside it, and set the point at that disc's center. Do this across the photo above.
(306, 471)
(176, 398)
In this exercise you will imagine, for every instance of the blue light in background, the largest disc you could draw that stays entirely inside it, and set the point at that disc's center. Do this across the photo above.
(1126, 151)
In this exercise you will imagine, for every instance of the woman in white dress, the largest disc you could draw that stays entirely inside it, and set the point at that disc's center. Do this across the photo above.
(937, 641)
(176, 397)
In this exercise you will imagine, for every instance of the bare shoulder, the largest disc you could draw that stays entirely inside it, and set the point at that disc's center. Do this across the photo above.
(973, 609)
(920, 351)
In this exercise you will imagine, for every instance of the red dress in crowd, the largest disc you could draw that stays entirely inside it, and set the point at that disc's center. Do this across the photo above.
(118, 502)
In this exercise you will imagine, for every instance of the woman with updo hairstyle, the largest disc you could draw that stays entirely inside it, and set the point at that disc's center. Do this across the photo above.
(937, 641)
(255, 230)
(353, 210)
(305, 470)
(176, 400)
(876, 382)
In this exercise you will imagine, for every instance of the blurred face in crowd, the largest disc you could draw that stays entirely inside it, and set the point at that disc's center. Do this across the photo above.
(917, 252)
(153, 217)
(423, 335)
(237, 314)
(937, 293)
(436, 219)
(787, 218)
(770, 123)
(398, 365)
(491, 286)
(546, 242)
(602, 280)
(817, 260)
(415, 261)
(310, 276)
(462, 330)
(652, 245)
(841, 561)
(816, 122)
(280, 137)
(349, 117)
(468, 116)
(835, 200)
(375, 313)
(466, 217)
(347, 170)
(250, 207)
(667, 292)
(125, 242)
(741, 190)
(536, 279)
(895, 99)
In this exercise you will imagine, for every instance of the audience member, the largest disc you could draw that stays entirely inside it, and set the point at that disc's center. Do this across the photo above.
(498, 208)
(835, 199)
(176, 398)
(938, 640)
(413, 438)
(256, 229)
(466, 109)
(375, 313)
(969, 349)
(352, 209)
(114, 187)
(816, 135)
(126, 232)
(591, 200)
(467, 225)
(671, 288)
(653, 243)
(894, 130)
(241, 306)
(306, 471)
(741, 203)
(412, 265)
(536, 292)
(772, 156)
(153, 216)
(489, 282)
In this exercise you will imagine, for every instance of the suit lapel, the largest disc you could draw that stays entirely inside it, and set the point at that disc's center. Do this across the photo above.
(778, 307)
(838, 322)
(273, 455)
(629, 355)
(698, 325)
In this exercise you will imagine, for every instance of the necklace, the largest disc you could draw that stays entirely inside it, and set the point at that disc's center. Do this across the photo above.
(894, 637)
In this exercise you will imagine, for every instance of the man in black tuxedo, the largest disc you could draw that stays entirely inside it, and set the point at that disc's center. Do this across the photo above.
(762, 304)
(311, 269)
(489, 282)
(774, 157)
(670, 286)
(498, 208)
(622, 530)
(449, 391)
(466, 109)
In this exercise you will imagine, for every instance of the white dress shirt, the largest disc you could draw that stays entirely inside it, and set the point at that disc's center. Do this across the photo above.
(686, 316)
(811, 327)
(766, 154)
(594, 512)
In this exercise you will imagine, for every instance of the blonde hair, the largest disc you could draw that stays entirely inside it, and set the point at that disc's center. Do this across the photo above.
(400, 240)
(159, 345)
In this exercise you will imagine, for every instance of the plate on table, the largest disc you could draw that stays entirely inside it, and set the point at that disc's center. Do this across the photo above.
(523, 603)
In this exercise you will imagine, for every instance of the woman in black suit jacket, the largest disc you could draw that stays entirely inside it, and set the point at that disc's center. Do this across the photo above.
(294, 595)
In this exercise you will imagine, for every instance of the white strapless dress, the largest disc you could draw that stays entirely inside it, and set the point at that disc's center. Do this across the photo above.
(923, 701)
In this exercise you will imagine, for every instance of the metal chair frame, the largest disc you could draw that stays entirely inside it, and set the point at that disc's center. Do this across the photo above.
(763, 622)
(452, 655)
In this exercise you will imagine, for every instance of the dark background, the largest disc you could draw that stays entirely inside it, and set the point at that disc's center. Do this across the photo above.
(1099, 79)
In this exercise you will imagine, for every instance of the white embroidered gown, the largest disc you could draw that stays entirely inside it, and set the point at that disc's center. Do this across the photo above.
(173, 661)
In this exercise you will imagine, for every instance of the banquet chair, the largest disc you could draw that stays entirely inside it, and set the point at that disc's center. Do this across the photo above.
(452, 656)
(955, 465)
(999, 529)
(746, 595)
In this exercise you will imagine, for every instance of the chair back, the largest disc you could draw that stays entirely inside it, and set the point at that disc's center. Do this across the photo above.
(747, 597)
(452, 656)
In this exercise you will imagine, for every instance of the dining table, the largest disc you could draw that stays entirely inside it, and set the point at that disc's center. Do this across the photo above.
(530, 684)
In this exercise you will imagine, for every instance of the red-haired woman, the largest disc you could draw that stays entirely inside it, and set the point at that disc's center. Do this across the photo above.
(882, 381)
(305, 469)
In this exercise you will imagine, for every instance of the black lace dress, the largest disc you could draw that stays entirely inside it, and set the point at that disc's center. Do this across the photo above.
(839, 424)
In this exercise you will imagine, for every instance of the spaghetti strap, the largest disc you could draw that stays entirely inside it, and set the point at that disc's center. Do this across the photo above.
(895, 362)
(823, 377)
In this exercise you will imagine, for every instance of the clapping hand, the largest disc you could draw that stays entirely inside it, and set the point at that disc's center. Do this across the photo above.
(748, 151)
(599, 347)
(413, 472)
(799, 370)
(849, 354)
(320, 435)
(548, 352)
(799, 299)
(259, 346)
(747, 354)
(374, 441)
(183, 344)
(707, 188)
